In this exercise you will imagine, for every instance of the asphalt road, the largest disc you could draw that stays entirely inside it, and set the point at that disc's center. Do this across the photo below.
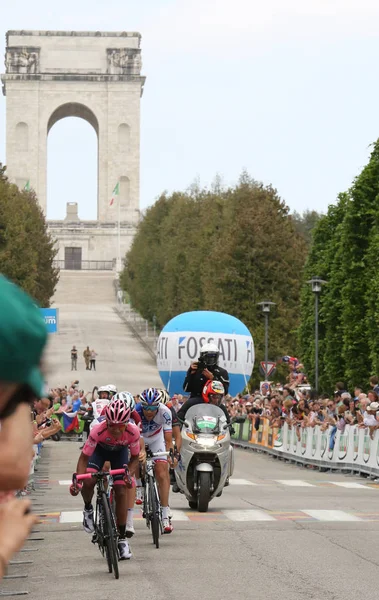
(86, 302)
(278, 531)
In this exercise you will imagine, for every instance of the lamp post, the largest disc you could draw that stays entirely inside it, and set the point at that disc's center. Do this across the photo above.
(265, 308)
(316, 283)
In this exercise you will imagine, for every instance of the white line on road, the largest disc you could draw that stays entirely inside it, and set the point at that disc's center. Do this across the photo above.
(294, 482)
(65, 481)
(241, 482)
(350, 485)
(247, 515)
(331, 515)
(179, 515)
(71, 516)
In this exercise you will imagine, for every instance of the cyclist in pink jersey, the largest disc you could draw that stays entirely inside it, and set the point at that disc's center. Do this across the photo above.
(110, 441)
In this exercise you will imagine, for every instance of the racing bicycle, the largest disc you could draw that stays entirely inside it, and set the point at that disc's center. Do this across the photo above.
(105, 534)
(152, 510)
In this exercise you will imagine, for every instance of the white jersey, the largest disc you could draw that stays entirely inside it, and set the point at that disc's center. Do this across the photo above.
(156, 427)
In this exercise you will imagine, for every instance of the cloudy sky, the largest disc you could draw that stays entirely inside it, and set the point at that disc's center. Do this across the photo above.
(287, 89)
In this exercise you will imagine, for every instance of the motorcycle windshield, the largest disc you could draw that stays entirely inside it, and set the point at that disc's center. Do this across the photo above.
(205, 418)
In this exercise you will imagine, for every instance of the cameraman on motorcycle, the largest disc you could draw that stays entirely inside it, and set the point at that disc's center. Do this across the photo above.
(204, 369)
(212, 393)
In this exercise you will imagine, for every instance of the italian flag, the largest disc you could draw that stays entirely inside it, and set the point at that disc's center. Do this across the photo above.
(115, 193)
(27, 186)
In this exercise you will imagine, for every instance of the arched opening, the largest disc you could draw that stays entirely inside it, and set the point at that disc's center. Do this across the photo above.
(123, 137)
(22, 137)
(72, 162)
(125, 191)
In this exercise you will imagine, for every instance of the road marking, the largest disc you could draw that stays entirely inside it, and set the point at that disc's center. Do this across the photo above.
(71, 516)
(179, 515)
(350, 485)
(241, 482)
(65, 481)
(248, 515)
(331, 515)
(76, 516)
(294, 482)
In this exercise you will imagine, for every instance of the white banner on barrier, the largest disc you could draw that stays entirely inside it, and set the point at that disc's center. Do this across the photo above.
(353, 446)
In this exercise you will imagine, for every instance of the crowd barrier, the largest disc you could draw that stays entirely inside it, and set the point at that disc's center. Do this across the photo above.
(351, 450)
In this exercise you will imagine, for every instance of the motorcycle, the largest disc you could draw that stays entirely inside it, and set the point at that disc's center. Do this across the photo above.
(206, 456)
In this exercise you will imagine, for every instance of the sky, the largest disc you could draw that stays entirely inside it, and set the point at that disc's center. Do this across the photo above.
(287, 89)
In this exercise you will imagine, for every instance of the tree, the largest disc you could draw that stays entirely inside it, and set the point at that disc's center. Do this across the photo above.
(345, 252)
(222, 249)
(27, 249)
(305, 223)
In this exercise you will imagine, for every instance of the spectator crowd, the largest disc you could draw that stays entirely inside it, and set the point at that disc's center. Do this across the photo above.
(299, 406)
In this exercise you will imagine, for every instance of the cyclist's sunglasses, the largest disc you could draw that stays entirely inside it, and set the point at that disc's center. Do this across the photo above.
(149, 408)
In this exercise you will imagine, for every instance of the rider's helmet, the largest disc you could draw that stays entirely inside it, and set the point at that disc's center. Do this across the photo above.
(111, 389)
(104, 389)
(165, 396)
(127, 398)
(117, 412)
(150, 397)
(209, 354)
(213, 390)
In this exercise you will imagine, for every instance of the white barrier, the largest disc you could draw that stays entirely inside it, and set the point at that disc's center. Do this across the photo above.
(353, 449)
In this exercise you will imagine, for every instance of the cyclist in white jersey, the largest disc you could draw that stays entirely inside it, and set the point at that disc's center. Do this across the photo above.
(156, 422)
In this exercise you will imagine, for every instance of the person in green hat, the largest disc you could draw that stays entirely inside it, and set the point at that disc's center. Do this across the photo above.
(23, 337)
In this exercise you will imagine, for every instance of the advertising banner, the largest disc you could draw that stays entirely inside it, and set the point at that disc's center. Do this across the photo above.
(51, 316)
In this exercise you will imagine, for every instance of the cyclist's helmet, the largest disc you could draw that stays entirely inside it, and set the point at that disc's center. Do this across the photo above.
(111, 389)
(209, 354)
(117, 412)
(165, 396)
(102, 389)
(150, 397)
(127, 398)
(212, 390)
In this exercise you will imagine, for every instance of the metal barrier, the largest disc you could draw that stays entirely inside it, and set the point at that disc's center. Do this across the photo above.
(85, 265)
(352, 450)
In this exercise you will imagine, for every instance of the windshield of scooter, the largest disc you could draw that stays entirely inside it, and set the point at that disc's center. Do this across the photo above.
(206, 418)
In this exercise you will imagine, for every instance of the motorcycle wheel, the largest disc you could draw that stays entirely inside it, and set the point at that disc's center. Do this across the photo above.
(203, 491)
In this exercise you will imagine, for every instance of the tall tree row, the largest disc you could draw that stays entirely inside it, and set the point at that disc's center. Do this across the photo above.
(345, 252)
(27, 249)
(223, 250)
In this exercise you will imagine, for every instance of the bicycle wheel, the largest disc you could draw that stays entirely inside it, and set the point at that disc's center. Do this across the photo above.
(98, 536)
(110, 536)
(154, 512)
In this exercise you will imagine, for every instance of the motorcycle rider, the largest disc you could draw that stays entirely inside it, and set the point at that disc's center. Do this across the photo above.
(212, 392)
(205, 368)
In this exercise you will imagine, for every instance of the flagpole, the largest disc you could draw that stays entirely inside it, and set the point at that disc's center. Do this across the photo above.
(118, 236)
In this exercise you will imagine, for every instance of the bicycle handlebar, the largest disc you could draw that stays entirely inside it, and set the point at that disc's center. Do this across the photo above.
(76, 477)
(156, 454)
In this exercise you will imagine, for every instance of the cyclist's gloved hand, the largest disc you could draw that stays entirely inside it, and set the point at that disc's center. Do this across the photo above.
(75, 489)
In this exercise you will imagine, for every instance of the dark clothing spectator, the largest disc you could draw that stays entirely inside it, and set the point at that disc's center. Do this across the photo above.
(74, 359)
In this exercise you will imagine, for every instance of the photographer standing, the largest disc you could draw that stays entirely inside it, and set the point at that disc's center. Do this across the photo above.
(204, 369)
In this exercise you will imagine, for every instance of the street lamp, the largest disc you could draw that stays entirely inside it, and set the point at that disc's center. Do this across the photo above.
(316, 283)
(265, 308)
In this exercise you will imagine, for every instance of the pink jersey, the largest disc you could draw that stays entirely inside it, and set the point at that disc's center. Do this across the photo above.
(101, 436)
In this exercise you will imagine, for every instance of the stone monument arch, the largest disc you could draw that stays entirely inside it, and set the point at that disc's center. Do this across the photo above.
(51, 75)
